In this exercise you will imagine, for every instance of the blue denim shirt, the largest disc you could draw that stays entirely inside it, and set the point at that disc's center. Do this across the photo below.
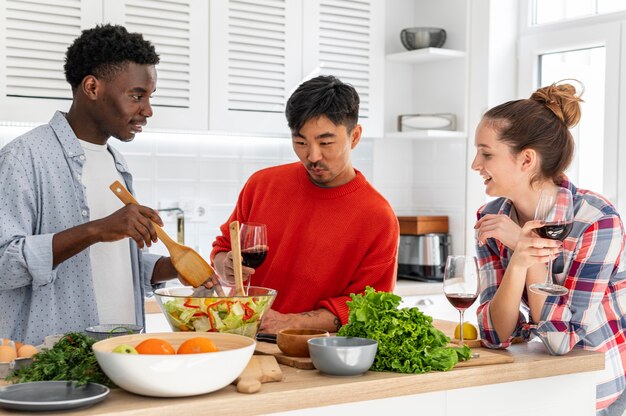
(41, 194)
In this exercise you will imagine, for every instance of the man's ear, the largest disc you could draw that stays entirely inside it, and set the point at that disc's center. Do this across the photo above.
(90, 87)
(355, 136)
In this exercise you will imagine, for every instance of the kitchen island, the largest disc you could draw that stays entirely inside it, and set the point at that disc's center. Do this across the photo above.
(534, 383)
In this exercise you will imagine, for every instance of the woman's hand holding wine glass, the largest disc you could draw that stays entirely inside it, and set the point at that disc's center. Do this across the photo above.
(461, 284)
(555, 209)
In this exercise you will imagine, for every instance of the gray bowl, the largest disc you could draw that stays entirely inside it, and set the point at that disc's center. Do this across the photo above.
(104, 331)
(342, 356)
(422, 37)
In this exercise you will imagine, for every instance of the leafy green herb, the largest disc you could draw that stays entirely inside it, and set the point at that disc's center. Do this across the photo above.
(407, 340)
(70, 359)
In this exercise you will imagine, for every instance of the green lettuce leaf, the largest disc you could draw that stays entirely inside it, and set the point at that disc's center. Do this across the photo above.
(407, 340)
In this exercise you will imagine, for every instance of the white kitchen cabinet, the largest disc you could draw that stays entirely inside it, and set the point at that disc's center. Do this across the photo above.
(35, 36)
(262, 50)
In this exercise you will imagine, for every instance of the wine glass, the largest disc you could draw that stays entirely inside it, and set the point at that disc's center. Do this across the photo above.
(461, 284)
(556, 209)
(254, 248)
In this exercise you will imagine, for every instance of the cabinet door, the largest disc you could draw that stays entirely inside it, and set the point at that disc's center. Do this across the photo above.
(178, 29)
(34, 36)
(255, 61)
(345, 38)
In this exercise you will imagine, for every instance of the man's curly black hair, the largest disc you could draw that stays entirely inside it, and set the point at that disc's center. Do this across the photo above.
(104, 51)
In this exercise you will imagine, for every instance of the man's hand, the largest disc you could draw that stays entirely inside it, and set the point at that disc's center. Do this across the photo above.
(318, 319)
(134, 221)
(224, 267)
(501, 227)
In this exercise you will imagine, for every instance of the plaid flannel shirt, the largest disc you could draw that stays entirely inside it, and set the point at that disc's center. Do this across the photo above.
(593, 267)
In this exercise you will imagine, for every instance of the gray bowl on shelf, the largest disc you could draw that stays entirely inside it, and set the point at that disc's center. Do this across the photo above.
(422, 37)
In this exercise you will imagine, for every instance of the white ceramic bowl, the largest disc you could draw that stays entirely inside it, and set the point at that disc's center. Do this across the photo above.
(175, 375)
(342, 356)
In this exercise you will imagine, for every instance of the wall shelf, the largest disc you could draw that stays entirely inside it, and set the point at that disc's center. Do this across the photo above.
(426, 134)
(425, 55)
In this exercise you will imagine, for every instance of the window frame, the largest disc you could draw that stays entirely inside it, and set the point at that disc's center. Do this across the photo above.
(601, 30)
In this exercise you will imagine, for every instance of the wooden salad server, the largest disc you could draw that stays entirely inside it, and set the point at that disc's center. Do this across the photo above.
(236, 248)
(188, 263)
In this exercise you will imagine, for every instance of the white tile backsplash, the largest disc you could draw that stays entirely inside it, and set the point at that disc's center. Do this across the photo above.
(142, 167)
(176, 168)
(424, 177)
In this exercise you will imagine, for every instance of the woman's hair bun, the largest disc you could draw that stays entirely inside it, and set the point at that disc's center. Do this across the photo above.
(562, 100)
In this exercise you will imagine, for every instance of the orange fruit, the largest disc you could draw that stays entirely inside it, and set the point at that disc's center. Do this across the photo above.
(197, 345)
(155, 346)
(7, 342)
(26, 351)
(7, 354)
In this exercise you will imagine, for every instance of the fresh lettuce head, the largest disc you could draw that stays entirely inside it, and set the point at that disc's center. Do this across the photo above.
(407, 340)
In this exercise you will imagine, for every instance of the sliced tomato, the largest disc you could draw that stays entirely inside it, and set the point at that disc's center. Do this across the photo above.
(248, 312)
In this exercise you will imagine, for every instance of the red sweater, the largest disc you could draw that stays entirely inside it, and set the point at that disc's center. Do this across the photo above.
(324, 243)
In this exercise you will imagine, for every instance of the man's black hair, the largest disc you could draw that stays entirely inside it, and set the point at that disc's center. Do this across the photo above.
(324, 95)
(104, 51)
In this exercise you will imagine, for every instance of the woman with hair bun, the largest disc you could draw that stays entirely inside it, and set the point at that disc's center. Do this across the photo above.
(524, 147)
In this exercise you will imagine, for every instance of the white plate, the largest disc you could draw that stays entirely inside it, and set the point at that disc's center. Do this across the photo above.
(45, 396)
(439, 121)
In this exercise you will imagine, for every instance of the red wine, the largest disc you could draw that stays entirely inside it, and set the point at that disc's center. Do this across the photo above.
(555, 231)
(253, 257)
(461, 301)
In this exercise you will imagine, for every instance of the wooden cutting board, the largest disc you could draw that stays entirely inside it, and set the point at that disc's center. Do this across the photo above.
(260, 369)
(486, 357)
(267, 348)
(472, 343)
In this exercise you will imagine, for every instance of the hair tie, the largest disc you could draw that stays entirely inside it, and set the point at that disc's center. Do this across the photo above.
(582, 86)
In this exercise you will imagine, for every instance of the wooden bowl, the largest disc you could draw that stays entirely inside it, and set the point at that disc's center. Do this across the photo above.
(293, 342)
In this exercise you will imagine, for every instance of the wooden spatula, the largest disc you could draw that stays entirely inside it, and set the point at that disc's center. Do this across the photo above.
(260, 369)
(236, 248)
(188, 263)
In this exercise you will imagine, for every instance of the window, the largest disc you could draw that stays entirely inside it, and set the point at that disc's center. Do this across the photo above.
(589, 50)
(588, 67)
(547, 11)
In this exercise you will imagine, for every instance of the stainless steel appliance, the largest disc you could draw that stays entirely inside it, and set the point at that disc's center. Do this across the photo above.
(423, 257)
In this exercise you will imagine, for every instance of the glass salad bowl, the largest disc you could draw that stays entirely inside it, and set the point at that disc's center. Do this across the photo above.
(202, 310)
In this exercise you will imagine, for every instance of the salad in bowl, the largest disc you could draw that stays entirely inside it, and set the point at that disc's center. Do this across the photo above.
(188, 309)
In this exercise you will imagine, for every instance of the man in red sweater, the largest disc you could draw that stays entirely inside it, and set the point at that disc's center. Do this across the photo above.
(330, 233)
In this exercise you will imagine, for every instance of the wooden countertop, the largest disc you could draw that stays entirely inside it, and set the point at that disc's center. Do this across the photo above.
(309, 388)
